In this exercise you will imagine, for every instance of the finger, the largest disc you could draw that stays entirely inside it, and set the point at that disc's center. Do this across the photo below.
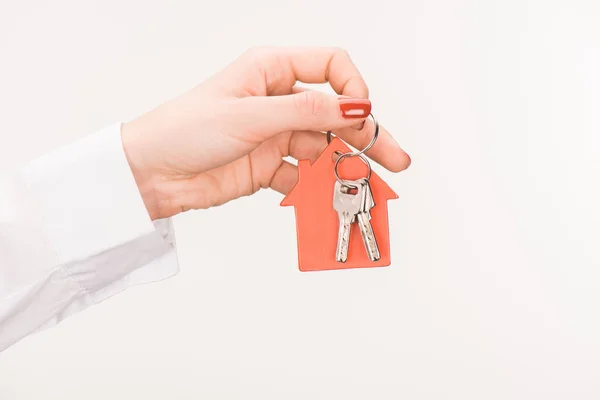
(386, 151)
(309, 145)
(285, 66)
(299, 89)
(285, 178)
(301, 145)
(266, 160)
(306, 145)
(262, 117)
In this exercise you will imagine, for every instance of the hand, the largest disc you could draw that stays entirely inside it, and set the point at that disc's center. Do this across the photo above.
(227, 137)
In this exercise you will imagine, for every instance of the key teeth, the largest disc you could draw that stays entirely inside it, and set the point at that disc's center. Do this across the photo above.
(344, 251)
(343, 238)
(369, 239)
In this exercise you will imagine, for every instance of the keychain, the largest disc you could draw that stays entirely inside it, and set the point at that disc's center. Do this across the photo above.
(333, 195)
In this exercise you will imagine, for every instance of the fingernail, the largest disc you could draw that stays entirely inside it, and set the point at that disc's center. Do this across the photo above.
(355, 108)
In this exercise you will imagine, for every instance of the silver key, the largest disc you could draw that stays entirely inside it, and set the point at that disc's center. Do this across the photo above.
(364, 220)
(347, 205)
(368, 202)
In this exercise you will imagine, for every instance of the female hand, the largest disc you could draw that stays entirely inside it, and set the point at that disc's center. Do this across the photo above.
(227, 137)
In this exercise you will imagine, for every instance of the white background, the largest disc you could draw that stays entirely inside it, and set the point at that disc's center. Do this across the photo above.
(494, 288)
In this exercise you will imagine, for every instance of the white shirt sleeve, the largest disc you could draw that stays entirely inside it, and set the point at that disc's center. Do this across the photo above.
(73, 232)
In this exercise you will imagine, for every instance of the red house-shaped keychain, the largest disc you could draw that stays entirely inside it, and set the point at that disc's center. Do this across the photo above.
(317, 222)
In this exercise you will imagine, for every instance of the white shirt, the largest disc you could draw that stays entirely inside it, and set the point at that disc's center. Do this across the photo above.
(73, 232)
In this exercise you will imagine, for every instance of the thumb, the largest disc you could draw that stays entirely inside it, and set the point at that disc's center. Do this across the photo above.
(308, 110)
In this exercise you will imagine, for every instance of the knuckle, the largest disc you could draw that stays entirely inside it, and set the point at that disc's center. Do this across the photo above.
(265, 58)
(310, 103)
(250, 56)
(341, 52)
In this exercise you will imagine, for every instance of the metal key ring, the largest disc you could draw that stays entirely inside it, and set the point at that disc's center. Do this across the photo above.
(371, 143)
(344, 182)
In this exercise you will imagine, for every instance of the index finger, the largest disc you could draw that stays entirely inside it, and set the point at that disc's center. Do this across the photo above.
(314, 65)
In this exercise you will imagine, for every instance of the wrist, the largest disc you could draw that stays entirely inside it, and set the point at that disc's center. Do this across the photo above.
(145, 179)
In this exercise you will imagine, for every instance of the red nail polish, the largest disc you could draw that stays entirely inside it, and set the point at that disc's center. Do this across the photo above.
(355, 108)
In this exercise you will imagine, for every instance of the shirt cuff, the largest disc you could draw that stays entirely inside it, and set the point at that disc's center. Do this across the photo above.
(88, 196)
(93, 213)
(74, 231)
